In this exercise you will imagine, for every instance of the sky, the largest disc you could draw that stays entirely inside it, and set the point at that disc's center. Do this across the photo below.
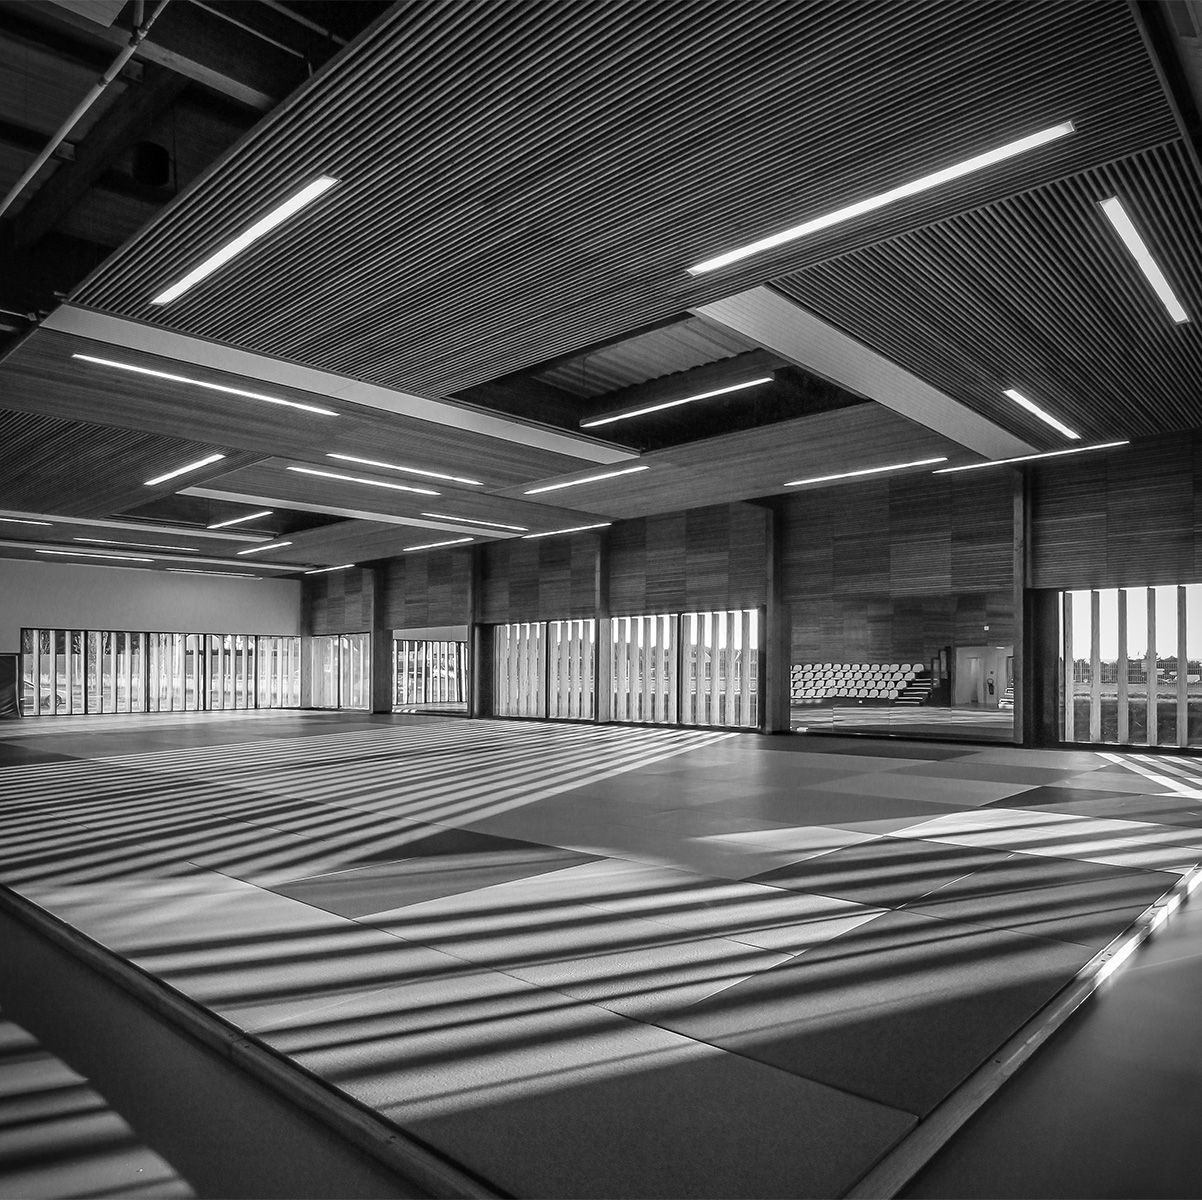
(1165, 604)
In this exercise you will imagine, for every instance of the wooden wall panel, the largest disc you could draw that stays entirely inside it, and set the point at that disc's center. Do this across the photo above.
(427, 589)
(1131, 517)
(706, 558)
(339, 602)
(544, 579)
(892, 570)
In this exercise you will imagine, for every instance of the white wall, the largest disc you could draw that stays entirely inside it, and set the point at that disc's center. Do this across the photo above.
(71, 596)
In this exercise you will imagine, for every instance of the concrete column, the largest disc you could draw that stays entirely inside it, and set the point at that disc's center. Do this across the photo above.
(376, 579)
(603, 644)
(777, 636)
(1023, 734)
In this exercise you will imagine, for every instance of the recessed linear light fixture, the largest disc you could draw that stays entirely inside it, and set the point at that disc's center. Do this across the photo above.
(136, 545)
(1123, 226)
(204, 383)
(239, 520)
(222, 574)
(437, 545)
(235, 246)
(570, 529)
(195, 466)
(371, 462)
(555, 487)
(23, 521)
(1002, 462)
(268, 546)
(925, 183)
(476, 521)
(396, 487)
(1032, 407)
(922, 462)
(323, 570)
(650, 408)
(93, 554)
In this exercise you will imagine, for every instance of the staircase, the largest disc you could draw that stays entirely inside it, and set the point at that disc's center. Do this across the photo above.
(916, 692)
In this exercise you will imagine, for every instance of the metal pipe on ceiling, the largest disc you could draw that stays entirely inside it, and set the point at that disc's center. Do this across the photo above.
(303, 20)
(141, 28)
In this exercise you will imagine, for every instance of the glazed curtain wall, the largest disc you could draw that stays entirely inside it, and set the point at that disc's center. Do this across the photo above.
(72, 672)
(1131, 665)
(699, 668)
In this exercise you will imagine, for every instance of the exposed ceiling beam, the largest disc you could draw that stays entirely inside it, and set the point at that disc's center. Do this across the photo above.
(130, 116)
(210, 51)
(799, 336)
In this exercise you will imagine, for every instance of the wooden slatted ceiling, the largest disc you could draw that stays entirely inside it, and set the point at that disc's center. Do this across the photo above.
(108, 467)
(271, 478)
(758, 462)
(40, 375)
(520, 181)
(1037, 293)
(680, 346)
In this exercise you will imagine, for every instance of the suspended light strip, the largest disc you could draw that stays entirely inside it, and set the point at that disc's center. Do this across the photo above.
(323, 570)
(650, 408)
(922, 462)
(555, 487)
(1031, 407)
(222, 574)
(248, 237)
(239, 520)
(268, 546)
(136, 545)
(1002, 462)
(476, 521)
(22, 521)
(371, 462)
(93, 554)
(570, 529)
(204, 383)
(967, 167)
(1123, 226)
(200, 462)
(437, 545)
(396, 487)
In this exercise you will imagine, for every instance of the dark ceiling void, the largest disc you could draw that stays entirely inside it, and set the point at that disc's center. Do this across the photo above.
(790, 393)
(208, 70)
(179, 511)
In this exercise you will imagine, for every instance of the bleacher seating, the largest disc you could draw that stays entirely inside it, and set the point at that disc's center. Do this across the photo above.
(881, 683)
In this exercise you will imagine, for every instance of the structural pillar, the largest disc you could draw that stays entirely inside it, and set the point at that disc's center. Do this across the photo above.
(778, 629)
(479, 642)
(603, 644)
(380, 626)
(1022, 736)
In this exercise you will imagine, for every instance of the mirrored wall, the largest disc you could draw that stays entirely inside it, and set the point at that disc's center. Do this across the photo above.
(429, 675)
(1131, 665)
(75, 672)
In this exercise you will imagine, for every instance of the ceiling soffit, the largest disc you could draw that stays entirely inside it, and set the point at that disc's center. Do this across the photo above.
(1037, 293)
(546, 174)
(796, 334)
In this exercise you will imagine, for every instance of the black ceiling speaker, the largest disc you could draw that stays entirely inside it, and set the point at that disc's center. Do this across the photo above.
(152, 164)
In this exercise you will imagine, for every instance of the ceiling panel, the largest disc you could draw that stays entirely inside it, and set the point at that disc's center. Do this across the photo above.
(40, 375)
(272, 478)
(107, 467)
(519, 181)
(1038, 294)
(758, 462)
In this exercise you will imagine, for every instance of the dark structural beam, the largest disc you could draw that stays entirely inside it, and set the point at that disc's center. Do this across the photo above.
(209, 50)
(131, 116)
